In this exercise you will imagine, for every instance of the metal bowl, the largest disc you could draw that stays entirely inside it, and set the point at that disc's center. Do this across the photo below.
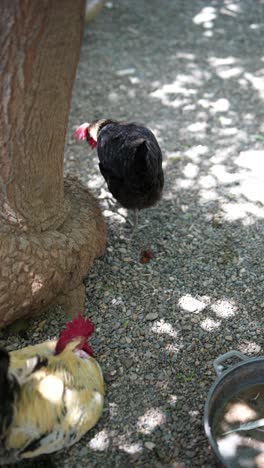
(243, 375)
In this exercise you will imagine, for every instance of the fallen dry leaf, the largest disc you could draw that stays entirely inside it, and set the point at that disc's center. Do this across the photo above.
(146, 256)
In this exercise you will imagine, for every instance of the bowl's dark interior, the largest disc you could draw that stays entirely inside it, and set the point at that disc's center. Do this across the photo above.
(242, 380)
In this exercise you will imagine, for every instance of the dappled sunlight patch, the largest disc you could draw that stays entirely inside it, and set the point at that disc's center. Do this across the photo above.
(134, 80)
(125, 71)
(208, 195)
(177, 93)
(246, 180)
(252, 160)
(255, 26)
(181, 91)
(113, 96)
(257, 82)
(196, 151)
(221, 105)
(246, 212)
(75, 411)
(252, 175)
(231, 131)
(113, 215)
(208, 32)
(197, 127)
(240, 411)
(226, 67)
(108, 213)
(224, 309)
(190, 304)
(100, 441)
(173, 88)
(228, 445)
(225, 120)
(95, 181)
(233, 5)
(220, 171)
(132, 449)
(250, 347)
(105, 194)
(117, 301)
(205, 17)
(51, 388)
(209, 324)
(233, 72)
(168, 92)
(161, 327)
(191, 171)
(185, 55)
(222, 61)
(221, 154)
(172, 348)
(207, 181)
(122, 212)
(205, 103)
(173, 400)
(36, 284)
(183, 183)
(152, 419)
(113, 410)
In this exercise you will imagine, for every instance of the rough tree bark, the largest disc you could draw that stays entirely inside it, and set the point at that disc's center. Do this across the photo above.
(51, 229)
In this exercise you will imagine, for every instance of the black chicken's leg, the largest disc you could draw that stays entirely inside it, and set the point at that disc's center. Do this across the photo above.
(135, 227)
(134, 224)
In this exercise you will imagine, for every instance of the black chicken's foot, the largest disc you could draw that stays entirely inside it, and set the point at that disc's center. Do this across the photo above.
(134, 224)
(136, 216)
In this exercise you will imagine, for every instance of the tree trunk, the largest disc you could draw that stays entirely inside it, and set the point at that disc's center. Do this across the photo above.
(51, 230)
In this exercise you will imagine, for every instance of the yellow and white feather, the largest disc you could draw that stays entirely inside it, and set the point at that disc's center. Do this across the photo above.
(57, 402)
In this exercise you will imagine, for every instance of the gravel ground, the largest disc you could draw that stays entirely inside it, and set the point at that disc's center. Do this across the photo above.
(193, 72)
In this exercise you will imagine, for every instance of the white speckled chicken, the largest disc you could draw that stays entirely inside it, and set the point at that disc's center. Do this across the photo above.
(130, 161)
(51, 394)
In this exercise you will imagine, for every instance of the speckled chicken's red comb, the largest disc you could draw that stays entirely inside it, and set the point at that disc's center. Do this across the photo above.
(79, 327)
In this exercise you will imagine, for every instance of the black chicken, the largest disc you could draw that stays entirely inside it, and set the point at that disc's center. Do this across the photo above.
(130, 161)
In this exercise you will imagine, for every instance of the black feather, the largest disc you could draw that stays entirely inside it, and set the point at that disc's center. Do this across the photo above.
(141, 152)
(4, 364)
(34, 445)
(130, 160)
(42, 361)
(9, 389)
